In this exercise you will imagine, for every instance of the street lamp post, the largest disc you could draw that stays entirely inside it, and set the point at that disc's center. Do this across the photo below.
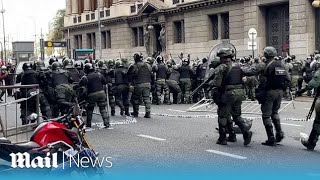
(99, 31)
(4, 33)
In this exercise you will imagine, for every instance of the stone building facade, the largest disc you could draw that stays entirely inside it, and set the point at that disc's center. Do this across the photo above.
(192, 26)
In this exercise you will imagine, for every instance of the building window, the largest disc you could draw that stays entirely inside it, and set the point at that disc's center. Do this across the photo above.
(93, 16)
(214, 27)
(225, 26)
(175, 1)
(102, 14)
(133, 9)
(91, 40)
(106, 39)
(138, 36)
(87, 17)
(108, 13)
(103, 40)
(78, 41)
(179, 31)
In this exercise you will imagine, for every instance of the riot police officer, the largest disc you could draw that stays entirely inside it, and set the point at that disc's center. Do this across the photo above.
(110, 77)
(311, 142)
(228, 83)
(201, 75)
(173, 81)
(161, 72)
(27, 77)
(153, 90)
(94, 83)
(64, 93)
(73, 72)
(296, 73)
(186, 74)
(43, 91)
(140, 76)
(274, 80)
(122, 88)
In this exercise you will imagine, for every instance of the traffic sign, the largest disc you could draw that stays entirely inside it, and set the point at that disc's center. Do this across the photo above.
(252, 33)
(252, 47)
(55, 44)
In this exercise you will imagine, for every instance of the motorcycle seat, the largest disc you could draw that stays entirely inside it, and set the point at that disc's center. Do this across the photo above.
(28, 145)
(4, 140)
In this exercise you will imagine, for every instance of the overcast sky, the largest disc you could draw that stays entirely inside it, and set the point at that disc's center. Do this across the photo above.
(22, 17)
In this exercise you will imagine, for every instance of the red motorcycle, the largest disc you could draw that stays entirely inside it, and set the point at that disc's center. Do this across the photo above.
(54, 136)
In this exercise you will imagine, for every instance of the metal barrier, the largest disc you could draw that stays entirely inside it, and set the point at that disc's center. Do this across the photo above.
(10, 110)
(248, 107)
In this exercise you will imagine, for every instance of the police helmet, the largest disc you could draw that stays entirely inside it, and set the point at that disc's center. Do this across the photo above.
(86, 61)
(317, 57)
(186, 61)
(225, 53)
(101, 63)
(56, 65)
(150, 61)
(3, 67)
(119, 64)
(88, 68)
(51, 61)
(204, 60)
(159, 59)
(27, 66)
(137, 57)
(270, 52)
(65, 62)
(111, 63)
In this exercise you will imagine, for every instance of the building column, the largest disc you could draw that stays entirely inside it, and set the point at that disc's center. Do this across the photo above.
(68, 7)
(87, 5)
(101, 3)
(74, 5)
(302, 28)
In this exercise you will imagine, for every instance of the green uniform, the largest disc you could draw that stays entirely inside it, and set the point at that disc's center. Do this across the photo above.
(228, 80)
(315, 132)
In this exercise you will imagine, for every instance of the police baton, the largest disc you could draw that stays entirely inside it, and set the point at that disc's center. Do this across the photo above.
(312, 106)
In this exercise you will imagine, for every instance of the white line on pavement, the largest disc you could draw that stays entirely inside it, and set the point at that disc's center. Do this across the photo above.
(176, 110)
(296, 125)
(226, 154)
(151, 137)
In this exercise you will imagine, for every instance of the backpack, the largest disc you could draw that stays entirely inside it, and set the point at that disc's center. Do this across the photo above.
(276, 74)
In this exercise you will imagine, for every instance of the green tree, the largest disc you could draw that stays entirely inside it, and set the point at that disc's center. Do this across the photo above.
(58, 23)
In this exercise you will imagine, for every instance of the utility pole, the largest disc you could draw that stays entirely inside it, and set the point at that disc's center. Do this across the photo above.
(99, 31)
(4, 33)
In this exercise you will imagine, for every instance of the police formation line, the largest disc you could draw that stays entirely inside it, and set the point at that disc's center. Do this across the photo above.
(117, 82)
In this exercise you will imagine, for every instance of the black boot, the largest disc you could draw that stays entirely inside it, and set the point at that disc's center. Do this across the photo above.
(147, 115)
(247, 137)
(223, 136)
(271, 140)
(126, 111)
(113, 112)
(232, 134)
(279, 133)
(122, 112)
(89, 119)
(310, 144)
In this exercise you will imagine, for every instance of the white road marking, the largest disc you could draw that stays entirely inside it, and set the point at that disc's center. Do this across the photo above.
(296, 125)
(176, 110)
(226, 154)
(151, 137)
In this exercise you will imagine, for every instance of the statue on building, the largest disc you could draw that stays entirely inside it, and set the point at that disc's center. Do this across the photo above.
(162, 38)
(147, 40)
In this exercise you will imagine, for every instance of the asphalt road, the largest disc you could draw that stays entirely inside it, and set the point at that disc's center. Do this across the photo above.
(175, 140)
